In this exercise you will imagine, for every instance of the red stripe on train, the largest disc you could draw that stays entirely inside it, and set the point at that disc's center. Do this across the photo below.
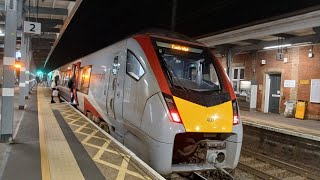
(88, 107)
(146, 44)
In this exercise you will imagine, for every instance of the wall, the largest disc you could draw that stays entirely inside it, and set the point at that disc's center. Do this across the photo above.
(1, 70)
(299, 67)
(309, 68)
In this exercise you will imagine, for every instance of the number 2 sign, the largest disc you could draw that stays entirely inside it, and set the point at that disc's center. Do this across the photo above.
(31, 27)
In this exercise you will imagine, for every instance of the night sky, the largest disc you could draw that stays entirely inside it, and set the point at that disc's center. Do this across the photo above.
(99, 23)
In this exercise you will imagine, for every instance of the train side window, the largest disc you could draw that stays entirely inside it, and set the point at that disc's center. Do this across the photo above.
(66, 78)
(85, 73)
(134, 68)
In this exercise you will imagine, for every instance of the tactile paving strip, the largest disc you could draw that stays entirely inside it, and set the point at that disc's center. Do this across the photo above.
(113, 163)
(57, 160)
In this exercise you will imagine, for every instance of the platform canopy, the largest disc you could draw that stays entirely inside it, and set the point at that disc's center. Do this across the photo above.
(96, 24)
(51, 14)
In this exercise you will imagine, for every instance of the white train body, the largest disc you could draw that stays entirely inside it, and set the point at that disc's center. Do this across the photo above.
(126, 86)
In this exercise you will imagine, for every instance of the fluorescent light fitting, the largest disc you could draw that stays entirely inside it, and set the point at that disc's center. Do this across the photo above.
(1, 34)
(279, 46)
(18, 54)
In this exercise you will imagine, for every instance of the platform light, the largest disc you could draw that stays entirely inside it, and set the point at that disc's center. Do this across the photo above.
(310, 53)
(18, 54)
(18, 66)
(278, 46)
(39, 73)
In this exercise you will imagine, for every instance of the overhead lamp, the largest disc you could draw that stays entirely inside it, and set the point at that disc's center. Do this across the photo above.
(17, 65)
(310, 54)
(278, 46)
(18, 54)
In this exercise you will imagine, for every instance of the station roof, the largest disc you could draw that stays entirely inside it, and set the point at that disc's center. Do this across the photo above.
(97, 24)
(51, 14)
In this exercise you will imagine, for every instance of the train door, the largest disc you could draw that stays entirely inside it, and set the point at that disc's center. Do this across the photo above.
(115, 93)
(76, 71)
(112, 87)
(118, 94)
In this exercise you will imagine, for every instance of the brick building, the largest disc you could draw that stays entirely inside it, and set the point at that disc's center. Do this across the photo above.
(296, 66)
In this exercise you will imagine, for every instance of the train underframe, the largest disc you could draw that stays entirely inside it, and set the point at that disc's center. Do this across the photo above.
(205, 151)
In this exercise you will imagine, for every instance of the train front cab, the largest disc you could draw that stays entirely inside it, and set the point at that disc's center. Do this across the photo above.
(193, 123)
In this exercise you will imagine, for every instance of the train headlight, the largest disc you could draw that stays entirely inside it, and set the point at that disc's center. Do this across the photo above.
(175, 117)
(236, 119)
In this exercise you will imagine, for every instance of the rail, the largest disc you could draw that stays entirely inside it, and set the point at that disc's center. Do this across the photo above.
(268, 168)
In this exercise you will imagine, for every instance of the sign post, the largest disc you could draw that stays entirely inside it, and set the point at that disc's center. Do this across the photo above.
(10, 39)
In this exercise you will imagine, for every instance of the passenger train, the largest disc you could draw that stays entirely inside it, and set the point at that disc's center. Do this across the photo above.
(166, 98)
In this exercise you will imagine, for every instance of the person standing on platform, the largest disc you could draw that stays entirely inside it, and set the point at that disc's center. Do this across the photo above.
(71, 86)
(38, 80)
(45, 80)
(55, 90)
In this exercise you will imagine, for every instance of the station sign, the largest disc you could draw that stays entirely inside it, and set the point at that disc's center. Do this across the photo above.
(289, 83)
(31, 27)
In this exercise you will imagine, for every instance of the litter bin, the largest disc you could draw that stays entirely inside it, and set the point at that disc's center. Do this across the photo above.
(290, 108)
(300, 109)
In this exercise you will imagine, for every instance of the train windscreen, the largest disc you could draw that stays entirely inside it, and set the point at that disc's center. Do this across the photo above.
(188, 68)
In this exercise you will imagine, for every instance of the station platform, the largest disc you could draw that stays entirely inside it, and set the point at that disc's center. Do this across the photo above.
(56, 141)
(308, 129)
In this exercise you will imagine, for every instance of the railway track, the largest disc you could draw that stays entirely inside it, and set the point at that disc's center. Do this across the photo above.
(268, 168)
(254, 166)
(213, 175)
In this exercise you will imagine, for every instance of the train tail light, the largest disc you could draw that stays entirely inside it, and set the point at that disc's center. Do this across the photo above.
(236, 119)
(175, 117)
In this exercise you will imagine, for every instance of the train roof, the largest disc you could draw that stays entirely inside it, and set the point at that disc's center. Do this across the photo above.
(169, 35)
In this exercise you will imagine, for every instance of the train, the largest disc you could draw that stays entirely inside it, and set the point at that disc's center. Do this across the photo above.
(165, 97)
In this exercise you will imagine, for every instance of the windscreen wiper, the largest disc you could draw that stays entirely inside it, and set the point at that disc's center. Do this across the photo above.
(170, 70)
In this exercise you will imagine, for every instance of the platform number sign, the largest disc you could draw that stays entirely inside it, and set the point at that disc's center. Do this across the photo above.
(32, 27)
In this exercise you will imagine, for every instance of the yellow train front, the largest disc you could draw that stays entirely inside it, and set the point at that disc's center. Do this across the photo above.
(204, 131)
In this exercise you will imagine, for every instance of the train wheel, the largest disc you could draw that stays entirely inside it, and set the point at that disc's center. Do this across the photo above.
(95, 119)
(89, 115)
(104, 126)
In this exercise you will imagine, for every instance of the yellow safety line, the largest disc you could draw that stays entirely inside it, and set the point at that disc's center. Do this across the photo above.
(45, 171)
(123, 168)
(57, 159)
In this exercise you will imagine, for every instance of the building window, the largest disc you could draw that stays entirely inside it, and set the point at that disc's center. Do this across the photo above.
(84, 80)
(237, 76)
(134, 68)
